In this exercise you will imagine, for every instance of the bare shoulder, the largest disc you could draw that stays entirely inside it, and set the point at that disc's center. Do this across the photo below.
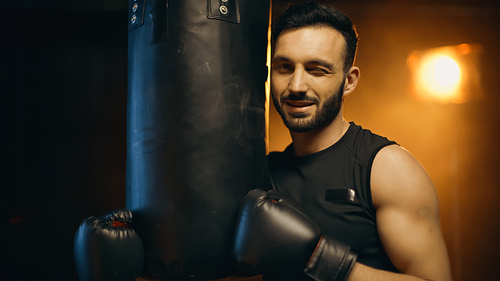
(407, 209)
(398, 177)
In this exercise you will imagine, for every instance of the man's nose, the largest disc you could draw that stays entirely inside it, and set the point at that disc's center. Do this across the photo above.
(298, 82)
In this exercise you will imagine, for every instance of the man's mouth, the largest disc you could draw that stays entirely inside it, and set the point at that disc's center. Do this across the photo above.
(298, 106)
(298, 103)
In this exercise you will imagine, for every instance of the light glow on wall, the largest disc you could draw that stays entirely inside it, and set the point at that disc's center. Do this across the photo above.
(446, 74)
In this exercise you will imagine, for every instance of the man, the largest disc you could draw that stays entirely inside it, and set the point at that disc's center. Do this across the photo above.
(361, 189)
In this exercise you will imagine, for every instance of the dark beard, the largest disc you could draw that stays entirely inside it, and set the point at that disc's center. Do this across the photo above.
(325, 116)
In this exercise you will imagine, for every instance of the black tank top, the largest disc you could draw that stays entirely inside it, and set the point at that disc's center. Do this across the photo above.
(333, 187)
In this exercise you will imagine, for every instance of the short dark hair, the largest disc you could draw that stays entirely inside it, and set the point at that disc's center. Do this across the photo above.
(314, 14)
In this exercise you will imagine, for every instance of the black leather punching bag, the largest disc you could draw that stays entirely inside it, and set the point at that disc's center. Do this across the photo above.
(195, 128)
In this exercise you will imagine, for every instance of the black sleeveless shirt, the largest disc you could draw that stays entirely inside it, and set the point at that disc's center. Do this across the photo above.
(333, 187)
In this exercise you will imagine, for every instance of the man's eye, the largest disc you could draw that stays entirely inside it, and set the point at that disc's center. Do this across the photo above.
(317, 71)
(285, 68)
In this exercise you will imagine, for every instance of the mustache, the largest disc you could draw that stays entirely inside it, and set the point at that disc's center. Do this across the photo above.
(299, 98)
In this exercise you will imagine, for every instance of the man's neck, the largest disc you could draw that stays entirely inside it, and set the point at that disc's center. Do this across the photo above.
(319, 139)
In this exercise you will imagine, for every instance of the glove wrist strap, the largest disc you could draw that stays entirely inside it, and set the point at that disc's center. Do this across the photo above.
(332, 261)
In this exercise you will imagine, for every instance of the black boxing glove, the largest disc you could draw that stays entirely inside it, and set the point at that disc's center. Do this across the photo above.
(106, 249)
(273, 237)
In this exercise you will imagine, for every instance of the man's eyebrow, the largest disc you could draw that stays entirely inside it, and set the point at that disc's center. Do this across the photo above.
(281, 58)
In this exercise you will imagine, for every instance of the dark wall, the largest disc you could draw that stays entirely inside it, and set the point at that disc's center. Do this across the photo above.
(63, 80)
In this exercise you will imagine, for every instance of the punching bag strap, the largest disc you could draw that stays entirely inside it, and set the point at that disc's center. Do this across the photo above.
(159, 21)
(136, 13)
(227, 10)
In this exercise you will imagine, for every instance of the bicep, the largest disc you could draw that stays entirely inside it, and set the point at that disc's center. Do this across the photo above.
(408, 215)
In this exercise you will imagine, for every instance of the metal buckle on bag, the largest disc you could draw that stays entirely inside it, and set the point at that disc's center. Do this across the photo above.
(227, 10)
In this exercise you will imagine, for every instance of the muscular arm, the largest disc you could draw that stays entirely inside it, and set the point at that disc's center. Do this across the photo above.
(407, 219)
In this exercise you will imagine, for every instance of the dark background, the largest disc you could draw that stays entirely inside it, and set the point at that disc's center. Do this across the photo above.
(63, 82)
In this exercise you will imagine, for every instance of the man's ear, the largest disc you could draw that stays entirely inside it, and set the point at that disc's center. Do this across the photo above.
(351, 80)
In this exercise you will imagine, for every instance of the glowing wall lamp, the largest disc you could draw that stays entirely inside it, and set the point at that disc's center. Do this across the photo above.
(448, 74)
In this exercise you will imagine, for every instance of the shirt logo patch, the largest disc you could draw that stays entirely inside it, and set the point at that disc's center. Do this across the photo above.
(340, 195)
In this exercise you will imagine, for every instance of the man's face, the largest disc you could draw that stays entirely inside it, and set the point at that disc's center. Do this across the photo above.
(308, 77)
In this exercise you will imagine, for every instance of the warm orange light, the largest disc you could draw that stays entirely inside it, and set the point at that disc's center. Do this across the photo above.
(268, 80)
(440, 75)
(446, 74)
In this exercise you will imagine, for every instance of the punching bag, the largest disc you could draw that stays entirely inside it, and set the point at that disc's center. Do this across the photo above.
(195, 128)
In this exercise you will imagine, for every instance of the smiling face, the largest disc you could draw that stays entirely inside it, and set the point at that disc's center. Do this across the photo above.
(308, 79)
